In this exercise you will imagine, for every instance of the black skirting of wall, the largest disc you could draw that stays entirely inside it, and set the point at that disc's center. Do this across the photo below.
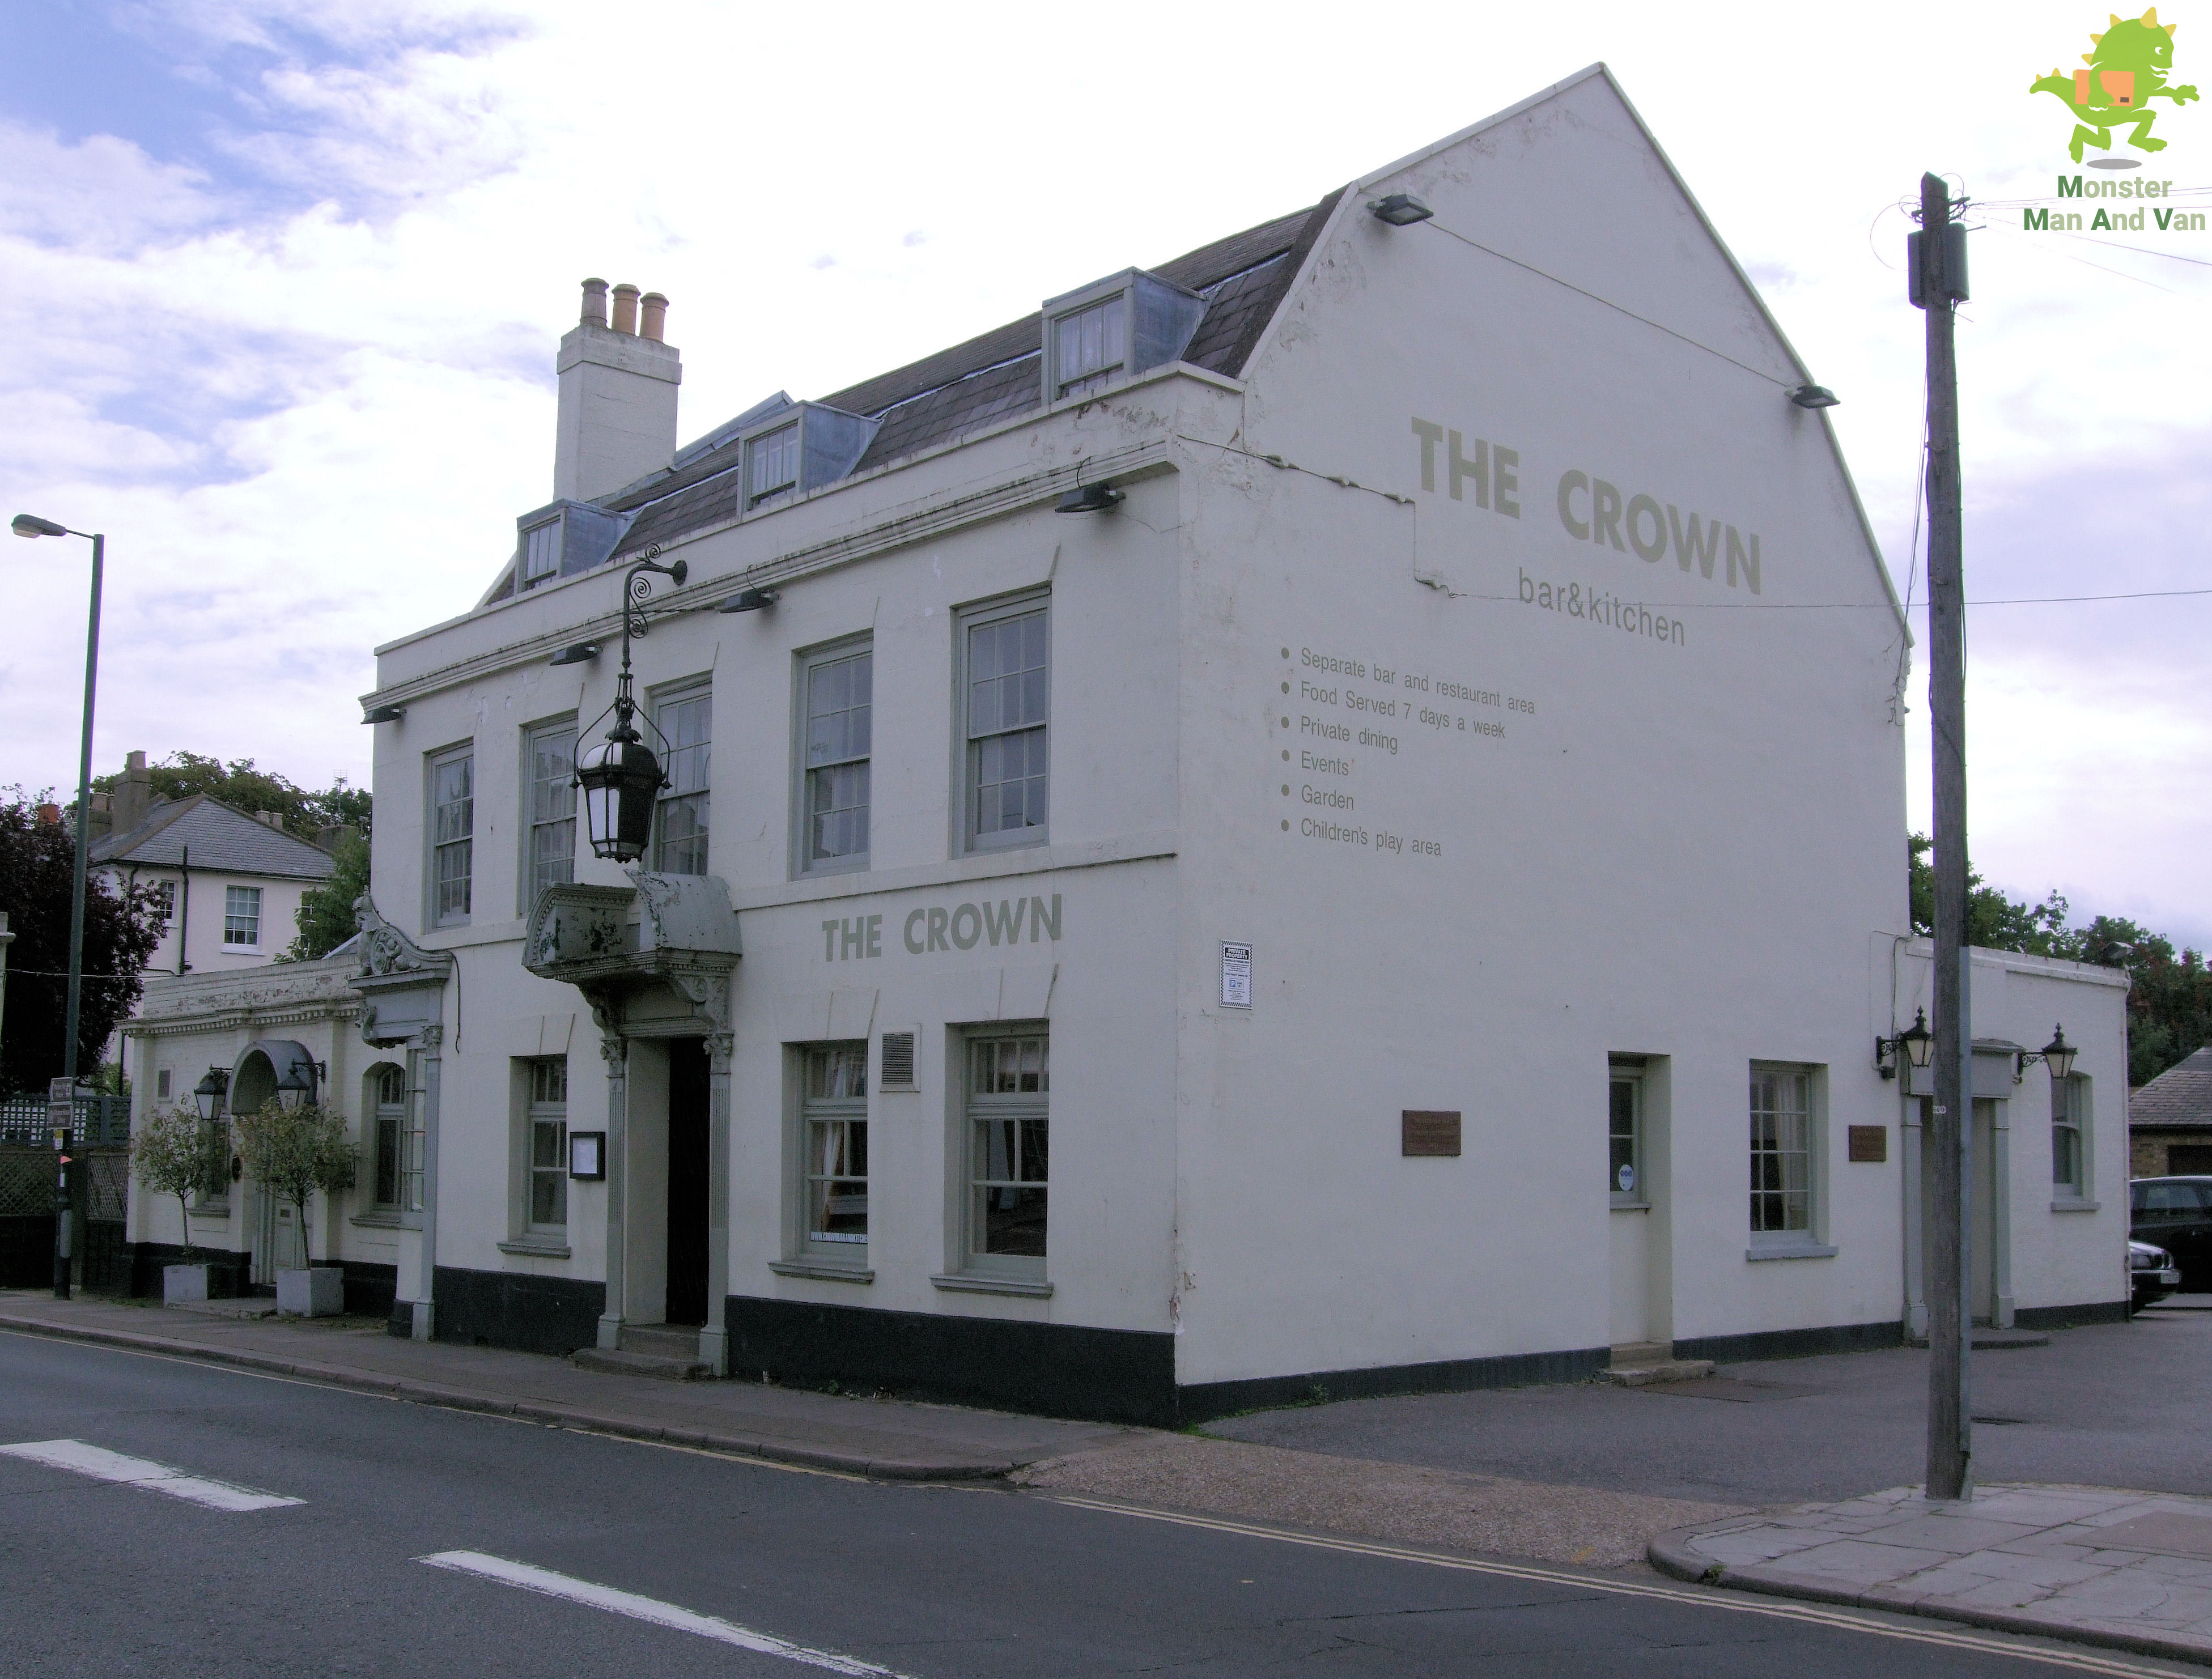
(1047, 1369)
(532, 1314)
(1793, 1343)
(1203, 1400)
(2067, 1317)
(27, 1251)
(1066, 1370)
(370, 1287)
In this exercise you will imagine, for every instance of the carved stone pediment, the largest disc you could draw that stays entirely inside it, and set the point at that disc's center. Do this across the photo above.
(669, 936)
(402, 984)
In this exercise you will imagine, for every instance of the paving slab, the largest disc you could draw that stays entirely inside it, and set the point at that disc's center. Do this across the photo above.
(2126, 1569)
(883, 1439)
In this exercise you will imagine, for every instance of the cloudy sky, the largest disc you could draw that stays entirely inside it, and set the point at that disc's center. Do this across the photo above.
(280, 281)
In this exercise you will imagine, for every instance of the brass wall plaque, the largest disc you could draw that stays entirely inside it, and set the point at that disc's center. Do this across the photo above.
(1428, 1131)
(1870, 1144)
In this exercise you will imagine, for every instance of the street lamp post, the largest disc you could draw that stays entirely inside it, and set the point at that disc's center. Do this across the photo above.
(29, 525)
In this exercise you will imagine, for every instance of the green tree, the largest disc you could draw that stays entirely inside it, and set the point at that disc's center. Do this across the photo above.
(37, 863)
(240, 784)
(292, 1152)
(175, 1153)
(2170, 995)
(325, 914)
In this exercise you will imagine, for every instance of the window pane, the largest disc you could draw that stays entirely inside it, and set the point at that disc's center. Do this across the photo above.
(774, 470)
(241, 915)
(839, 711)
(1621, 1135)
(1781, 1156)
(684, 801)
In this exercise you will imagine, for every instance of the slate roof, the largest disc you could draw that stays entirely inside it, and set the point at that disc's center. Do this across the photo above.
(2181, 1096)
(221, 839)
(994, 376)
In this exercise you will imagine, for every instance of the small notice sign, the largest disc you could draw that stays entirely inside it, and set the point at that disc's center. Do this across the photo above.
(1432, 1132)
(1235, 976)
(1870, 1144)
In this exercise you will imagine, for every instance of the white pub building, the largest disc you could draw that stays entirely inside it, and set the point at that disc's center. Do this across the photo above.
(1274, 824)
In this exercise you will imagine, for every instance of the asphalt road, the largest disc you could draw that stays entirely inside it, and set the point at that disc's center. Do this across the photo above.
(116, 1577)
(2108, 1405)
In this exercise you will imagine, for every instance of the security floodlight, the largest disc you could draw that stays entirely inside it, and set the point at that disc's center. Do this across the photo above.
(747, 599)
(1399, 209)
(1090, 498)
(384, 714)
(1815, 395)
(581, 652)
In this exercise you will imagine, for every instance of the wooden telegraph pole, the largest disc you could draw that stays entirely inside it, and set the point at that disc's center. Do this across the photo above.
(1936, 258)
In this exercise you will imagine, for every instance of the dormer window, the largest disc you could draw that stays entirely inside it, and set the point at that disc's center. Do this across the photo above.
(540, 552)
(1126, 324)
(1090, 347)
(772, 466)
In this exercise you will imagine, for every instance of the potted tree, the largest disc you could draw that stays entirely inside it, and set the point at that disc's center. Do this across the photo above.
(176, 1153)
(293, 1152)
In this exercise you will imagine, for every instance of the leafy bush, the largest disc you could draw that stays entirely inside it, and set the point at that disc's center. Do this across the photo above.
(294, 1151)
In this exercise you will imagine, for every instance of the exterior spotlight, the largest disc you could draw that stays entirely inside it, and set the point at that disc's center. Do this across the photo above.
(30, 524)
(747, 599)
(1399, 209)
(1917, 1042)
(2057, 1055)
(1815, 395)
(384, 714)
(208, 1093)
(1090, 498)
(581, 652)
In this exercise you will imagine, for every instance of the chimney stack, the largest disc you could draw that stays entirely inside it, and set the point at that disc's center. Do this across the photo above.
(652, 316)
(134, 794)
(617, 407)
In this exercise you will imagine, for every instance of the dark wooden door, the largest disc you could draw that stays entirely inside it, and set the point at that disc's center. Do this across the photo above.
(687, 1180)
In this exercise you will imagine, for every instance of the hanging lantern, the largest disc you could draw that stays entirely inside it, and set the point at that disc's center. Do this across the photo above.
(620, 779)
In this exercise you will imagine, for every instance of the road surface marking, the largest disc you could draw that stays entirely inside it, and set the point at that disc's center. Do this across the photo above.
(1842, 1620)
(567, 1586)
(102, 1464)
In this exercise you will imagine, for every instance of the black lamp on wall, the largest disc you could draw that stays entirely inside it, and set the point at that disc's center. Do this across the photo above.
(620, 778)
(1917, 1041)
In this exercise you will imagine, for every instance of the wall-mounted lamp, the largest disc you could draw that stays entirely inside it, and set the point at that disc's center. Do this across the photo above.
(298, 1082)
(749, 599)
(581, 652)
(208, 1093)
(384, 714)
(1917, 1042)
(620, 779)
(2057, 1055)
(1090, 498)
(1399, 209)
(1815, 395)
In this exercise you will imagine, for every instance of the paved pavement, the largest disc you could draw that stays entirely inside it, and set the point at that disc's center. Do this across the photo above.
(885, 1438)
(267, 1526)
(2109, 1405)
(2130, 1570)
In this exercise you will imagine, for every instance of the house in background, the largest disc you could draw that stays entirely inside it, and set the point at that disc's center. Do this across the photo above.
(2170, 1121)
(231, 881)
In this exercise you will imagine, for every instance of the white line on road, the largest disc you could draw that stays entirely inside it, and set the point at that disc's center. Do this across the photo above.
(102, 1464)
(1841, 1619)
(568, 1587)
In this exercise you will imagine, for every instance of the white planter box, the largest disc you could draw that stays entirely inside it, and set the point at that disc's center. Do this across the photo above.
(316, 1292)
(184, 1285)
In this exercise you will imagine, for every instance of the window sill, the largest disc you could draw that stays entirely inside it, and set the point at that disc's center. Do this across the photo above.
(383, 1222)
(210, 1212)
(1791, 1251)
(1631, 1206)
(2073, 1203)
(822, 1271)
(530, 1249)
(982, 1282)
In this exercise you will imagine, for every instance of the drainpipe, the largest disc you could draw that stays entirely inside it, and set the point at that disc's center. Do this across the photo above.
(184, 912)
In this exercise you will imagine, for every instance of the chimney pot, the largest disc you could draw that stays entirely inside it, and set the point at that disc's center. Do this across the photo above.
(595, 303)
(626, 308)
(652, 316)
(50, 815)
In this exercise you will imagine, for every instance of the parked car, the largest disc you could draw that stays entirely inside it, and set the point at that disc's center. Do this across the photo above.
(2151, 1274)
(2176, 1213)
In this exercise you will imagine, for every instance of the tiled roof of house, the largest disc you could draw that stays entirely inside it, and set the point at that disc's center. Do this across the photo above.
(2181, 1096)
(945, 397)
(220, 839)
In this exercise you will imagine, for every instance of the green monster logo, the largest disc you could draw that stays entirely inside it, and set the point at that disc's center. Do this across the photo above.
(2126, 72)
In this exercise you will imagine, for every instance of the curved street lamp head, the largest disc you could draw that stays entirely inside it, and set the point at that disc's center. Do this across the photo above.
(30, 524)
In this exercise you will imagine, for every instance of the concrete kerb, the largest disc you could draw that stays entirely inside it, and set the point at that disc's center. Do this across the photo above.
(1672, 1554)
(550, 1415)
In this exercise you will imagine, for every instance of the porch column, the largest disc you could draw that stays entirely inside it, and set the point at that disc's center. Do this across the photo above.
(2000, 1213)
(615, 1048)
(713, 1339)
(1916, 1283)
(432, 1040)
